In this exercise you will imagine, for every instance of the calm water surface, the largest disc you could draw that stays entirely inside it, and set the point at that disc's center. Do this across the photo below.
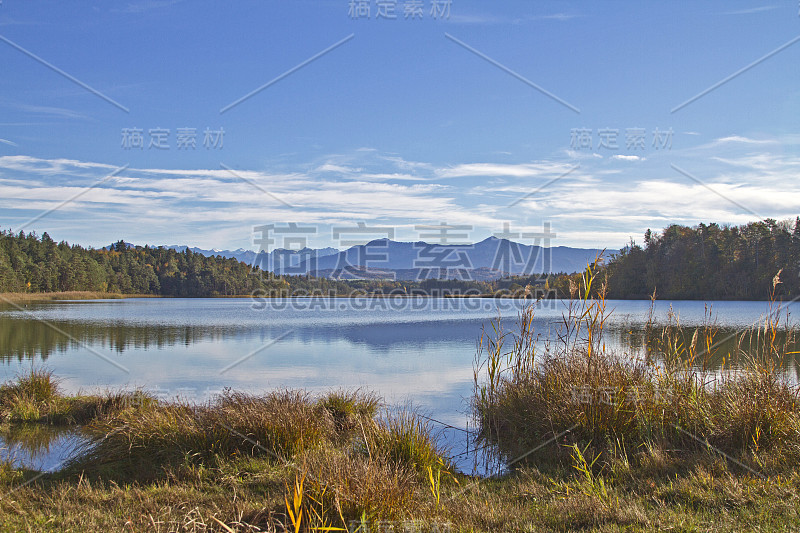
(419, 351)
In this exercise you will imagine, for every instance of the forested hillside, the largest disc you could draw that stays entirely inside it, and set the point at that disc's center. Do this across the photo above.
(710, 262)
(31, 264)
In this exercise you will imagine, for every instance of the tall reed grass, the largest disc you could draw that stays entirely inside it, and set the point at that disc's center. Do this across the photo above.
(575, 388)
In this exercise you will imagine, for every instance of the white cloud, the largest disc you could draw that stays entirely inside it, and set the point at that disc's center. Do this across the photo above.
(194, 202)
(742, 140)
(330, 167)
(404, 164)
(395, 176)
(33, 164)
(526, 170)
(600, 200)
(575, 154)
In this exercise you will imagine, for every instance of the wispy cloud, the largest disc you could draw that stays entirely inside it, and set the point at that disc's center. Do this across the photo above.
(148, 5)
(476, 18)
(47, 111)
(750, 11)
(742, 140)
(554, 16)
(491, 19)
(340, 169)
(395, 176)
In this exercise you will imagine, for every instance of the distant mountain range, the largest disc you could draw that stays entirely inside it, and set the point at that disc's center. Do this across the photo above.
(275, 257)
(489, 259)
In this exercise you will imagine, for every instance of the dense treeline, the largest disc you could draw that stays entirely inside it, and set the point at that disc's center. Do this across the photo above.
(710, 262)
(31, 264)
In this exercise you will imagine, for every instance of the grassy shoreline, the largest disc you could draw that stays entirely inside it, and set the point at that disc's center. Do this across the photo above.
(26, 298)
(242, 462)
(35, 297)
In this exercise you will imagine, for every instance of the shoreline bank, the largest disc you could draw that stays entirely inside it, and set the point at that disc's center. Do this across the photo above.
(34, 297)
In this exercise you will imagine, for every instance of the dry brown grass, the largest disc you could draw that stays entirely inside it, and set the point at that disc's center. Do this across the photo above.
(351, 485)
(33, 297)
(141, 443)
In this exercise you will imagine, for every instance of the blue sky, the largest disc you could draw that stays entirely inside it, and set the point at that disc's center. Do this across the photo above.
(407, 122)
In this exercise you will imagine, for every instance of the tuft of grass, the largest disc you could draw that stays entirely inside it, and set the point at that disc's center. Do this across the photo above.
(37, 385)
(356, 463)
(139, 443)
(9, 474)
(755, 410)
(351, 409)
(29, 398)
(36, 397)
(284, 422)
(85, 409)
(408, 439)
(24, 410)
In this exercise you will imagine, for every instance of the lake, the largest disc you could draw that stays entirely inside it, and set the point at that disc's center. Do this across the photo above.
(418, 351)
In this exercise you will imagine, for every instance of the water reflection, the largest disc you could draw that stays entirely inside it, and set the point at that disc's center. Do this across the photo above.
(730, 348)
(39, 447)
(193, 349)
(25, 338)
(200, 346)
